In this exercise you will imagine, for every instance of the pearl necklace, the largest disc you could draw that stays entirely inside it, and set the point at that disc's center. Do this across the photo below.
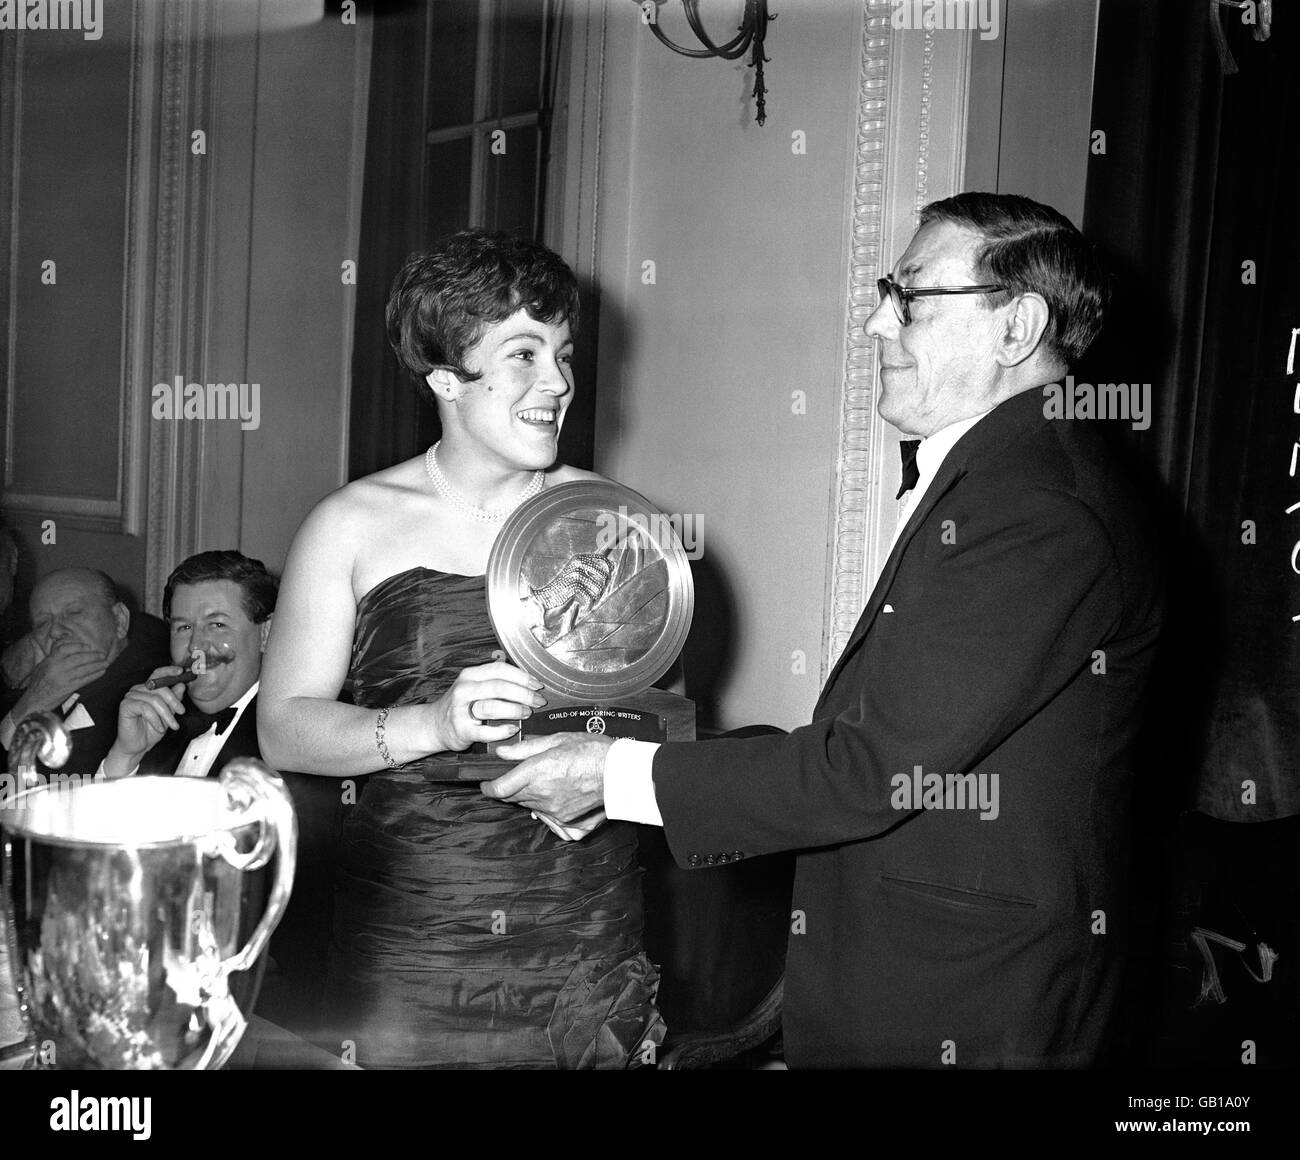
(461, 504)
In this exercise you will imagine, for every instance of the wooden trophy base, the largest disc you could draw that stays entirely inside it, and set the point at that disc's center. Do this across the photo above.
(651, 715)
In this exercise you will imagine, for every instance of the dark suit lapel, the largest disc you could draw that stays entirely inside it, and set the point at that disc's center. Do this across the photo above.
(1010, 420)
(241, 741)
(943, 482)
(163, 758)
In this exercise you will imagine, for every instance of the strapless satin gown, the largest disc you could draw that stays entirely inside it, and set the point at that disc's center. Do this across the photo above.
(466, 934)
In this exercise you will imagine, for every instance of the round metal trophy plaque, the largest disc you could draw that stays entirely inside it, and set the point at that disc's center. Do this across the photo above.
(589, 591)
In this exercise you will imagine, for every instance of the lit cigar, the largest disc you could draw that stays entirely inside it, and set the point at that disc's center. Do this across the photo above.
(183, 678)
(194, 668)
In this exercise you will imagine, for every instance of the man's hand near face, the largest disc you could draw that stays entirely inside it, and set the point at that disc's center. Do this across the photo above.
(143, 719)
(561, 775)
(69, 667)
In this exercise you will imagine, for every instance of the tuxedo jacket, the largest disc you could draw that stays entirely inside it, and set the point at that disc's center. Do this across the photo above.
(1009, 636)
(101, 698)
(240, 741)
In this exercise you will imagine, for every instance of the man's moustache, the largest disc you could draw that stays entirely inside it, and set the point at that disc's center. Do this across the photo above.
(212, 662)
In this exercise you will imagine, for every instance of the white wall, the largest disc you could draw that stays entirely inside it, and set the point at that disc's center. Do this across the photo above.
(282, 238)
(251, 235)
(1031, 103)
(696, 373)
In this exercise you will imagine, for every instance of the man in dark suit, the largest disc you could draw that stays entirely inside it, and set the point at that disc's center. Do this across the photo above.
(218, 606)
(86, 657)
(959, 798)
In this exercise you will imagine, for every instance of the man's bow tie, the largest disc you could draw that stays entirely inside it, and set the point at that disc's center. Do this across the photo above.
(911, 473)
(194, 722)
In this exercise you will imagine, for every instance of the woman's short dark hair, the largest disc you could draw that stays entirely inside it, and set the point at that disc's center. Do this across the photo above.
(257, 586)
(1031, 248)
(442, 301)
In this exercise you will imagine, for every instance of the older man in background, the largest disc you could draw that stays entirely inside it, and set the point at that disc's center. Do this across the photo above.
(979, 920)
(86, 659)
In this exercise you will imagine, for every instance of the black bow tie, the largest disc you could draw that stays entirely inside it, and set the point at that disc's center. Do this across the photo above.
(194, 722)
(911, 473)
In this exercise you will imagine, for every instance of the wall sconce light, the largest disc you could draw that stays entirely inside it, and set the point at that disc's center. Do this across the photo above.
(753, 30)
(1258, 15)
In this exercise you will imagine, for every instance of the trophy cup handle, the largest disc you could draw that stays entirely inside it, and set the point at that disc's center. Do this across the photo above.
(39, 735)
(250, 785)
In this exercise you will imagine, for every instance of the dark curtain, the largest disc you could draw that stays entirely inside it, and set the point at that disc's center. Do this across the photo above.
(390, 418)
(388, 421)
(1197, 179)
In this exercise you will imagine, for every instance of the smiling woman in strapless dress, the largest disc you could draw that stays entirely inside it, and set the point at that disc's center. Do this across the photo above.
(466, 933)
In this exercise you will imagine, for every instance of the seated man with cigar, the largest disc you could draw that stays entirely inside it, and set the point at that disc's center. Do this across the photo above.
(200, 712)
(218, 607)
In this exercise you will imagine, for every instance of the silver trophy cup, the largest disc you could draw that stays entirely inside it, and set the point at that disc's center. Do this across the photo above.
(136, 912)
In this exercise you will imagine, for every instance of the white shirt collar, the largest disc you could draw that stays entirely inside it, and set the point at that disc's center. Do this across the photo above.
(243, 701)
(931, 453)
(934, 449)
(239, 706)
(202, 752)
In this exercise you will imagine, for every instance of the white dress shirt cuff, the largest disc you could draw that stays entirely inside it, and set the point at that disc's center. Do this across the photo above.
(630, 783)
(101, 774)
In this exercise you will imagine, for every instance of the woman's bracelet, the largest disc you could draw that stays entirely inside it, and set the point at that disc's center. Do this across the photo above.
(379, 739)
